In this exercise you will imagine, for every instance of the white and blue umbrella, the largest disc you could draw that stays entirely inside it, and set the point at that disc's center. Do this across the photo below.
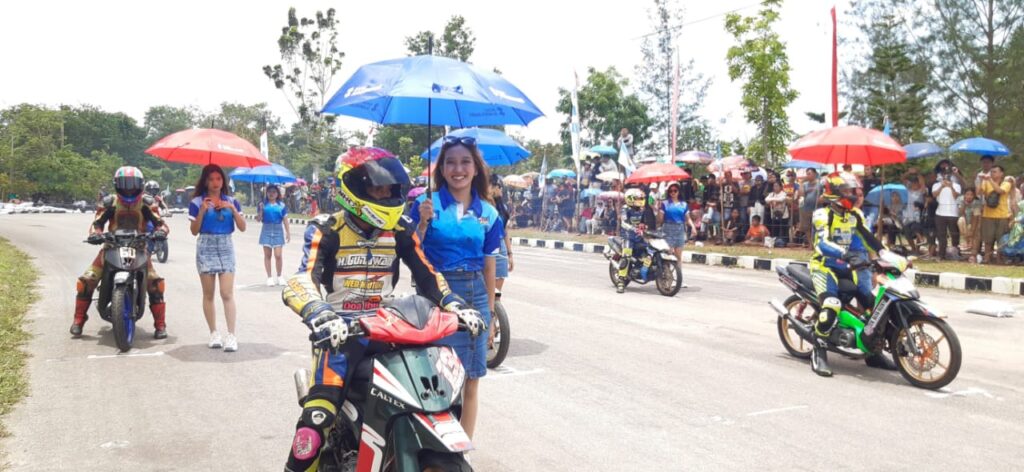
(605, 150)
(923, 150)
(798, 164)
(272, 174)
(561, 174)
(982, 146)
(498, 148)
(876, 193)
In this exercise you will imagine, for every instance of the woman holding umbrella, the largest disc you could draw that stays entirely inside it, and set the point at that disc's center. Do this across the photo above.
(275, 231)
(672, 216)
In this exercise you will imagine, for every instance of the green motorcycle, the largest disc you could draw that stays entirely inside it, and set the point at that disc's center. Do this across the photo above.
(925, 348)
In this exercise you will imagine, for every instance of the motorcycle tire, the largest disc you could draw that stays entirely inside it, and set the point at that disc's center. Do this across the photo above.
(908, 365)
(795, 344)
(666, 288)
(496, 354)
(444, 461)
(613, 273)
(161, 251)
(124, 321)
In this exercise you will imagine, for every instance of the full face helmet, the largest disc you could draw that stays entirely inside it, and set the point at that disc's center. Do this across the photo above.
(841, 190)
(372, 186)
(635, 198)
(153, 187)
(128, 183)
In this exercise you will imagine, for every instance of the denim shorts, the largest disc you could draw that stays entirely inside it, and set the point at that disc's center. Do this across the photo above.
(472, 352)
(501, 262)
(215, 254)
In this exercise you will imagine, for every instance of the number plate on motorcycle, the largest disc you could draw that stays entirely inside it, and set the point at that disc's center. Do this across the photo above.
(449, 366)
(127, 252)
(876, 315)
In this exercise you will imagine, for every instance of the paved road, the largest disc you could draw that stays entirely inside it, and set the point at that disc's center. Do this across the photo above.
(595, 381)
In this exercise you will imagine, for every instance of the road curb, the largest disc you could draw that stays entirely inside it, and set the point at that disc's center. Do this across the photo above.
(292, 221)
(947, 280)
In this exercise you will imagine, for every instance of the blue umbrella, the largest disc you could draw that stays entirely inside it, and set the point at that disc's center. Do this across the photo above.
(922, 150)
(798, 164)
(561, 174)
(983, 146)
(272, 174)
(604, 150)
(590, 192)
(424, 90)
(889, 189)
(497, 148)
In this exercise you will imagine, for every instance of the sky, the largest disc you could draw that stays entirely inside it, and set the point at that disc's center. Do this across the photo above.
(130, 55)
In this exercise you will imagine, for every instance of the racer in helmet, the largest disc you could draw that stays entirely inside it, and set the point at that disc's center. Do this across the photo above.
(152, 188)
(636, 219)
(127, 208)
(353, 256)
(842, 244)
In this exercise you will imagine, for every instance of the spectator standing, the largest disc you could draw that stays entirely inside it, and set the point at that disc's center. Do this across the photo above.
(729, 192)
(625, 143)
(995, 215)
(461, 234)
(566, 197)
(274, 233)
(743, 203)
(984, 173)
(946, 190)
(503, 262)
(810, 190)
(778, 206)
(215, 215)
(970, 218)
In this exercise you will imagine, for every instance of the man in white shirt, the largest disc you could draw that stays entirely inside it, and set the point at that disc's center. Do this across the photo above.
(946, 191)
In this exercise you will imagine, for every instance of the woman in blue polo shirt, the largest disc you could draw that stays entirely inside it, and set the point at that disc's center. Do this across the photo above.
(215, 215)
(672, 215)
(461, 236)
(274, 233)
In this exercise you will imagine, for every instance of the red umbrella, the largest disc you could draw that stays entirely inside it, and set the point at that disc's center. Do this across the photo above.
(848, 145)
(662, 172)
(208, 146)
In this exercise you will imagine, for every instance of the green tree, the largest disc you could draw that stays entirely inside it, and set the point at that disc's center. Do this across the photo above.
(457, 41)
(759, 58)
(88, 128)
(656, 77)
(604, 107)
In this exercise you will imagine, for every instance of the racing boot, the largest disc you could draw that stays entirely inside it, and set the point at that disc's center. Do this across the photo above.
(81, 307)
(880, 361)
(159, 322)
(819, 359)
(620, 286)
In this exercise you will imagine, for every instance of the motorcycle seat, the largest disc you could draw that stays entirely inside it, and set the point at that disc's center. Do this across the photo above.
(802, 274)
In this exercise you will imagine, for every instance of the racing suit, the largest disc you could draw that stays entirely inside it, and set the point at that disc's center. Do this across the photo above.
(839, 236)
(633, 224)
(355, 270)
(114, 214)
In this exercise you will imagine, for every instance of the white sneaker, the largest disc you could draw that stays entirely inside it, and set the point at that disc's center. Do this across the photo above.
(215, 341)
(230, 343)
(270, 281)
(281, 281)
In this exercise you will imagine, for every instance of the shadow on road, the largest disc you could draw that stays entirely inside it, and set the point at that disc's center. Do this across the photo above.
(246, 352)
(143, 338)
(525, 347)
(846, 367)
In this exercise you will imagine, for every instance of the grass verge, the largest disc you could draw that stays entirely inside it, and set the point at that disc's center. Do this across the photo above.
(17, 292)
(793, 253)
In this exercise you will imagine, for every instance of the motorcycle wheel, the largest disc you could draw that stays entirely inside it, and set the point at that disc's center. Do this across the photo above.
(161, 251)
(499, 323)
(670, 279)
(927, 334)
(795, 344)
(613, 274)
(122, 314)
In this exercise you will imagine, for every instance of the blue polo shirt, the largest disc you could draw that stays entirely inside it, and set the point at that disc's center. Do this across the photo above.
(212, 222)
(274, 213)
(459, 238)
(675, 212)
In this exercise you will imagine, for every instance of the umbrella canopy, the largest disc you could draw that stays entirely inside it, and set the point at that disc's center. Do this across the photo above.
(889, 189)
(208, 146)
(923, 150)
(848, 145)
(982, 146)
(590, 192)
(415, 192)
(300, 181)
(397, 92)
(516, 181)
(610, 195)
(530, 175)
(610, 175)
(652, 173)
(797, 164)
(498, 148)
(272, 174)
(730, 163)
(694, 157)
(561, 174)
(604, 150)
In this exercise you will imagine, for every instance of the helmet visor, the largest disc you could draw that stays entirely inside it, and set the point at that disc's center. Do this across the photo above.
(385, 172)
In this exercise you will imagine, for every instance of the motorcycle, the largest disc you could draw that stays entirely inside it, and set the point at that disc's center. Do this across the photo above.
(498, 349)
(926, 349)
(404, 398)
(122, 290)
(664, 269)
(158, 247)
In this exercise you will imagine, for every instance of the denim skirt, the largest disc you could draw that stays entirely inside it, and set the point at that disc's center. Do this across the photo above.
(675, 234)
(472, 352)
(501, 262)
(272, 235)
(215, 254)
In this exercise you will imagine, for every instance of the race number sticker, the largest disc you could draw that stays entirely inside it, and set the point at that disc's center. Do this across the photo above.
(449, 366)
(127, 252)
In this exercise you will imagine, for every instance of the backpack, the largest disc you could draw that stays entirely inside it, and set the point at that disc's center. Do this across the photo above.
(992, 200)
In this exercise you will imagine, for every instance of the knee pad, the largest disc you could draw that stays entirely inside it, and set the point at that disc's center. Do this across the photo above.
(85, 286)
(831, 303)
(307, 442)
(318, 413)
(156, 291)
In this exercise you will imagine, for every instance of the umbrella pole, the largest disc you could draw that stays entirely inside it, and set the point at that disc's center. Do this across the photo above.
(881, 207)
(430, 52)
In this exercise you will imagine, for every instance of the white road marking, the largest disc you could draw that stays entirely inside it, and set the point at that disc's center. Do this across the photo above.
(119, 444)
(777, 410)
(130, 354)
(506, 371)
(970, 392)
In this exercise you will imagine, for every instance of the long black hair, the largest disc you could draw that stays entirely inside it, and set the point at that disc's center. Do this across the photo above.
(201, 184)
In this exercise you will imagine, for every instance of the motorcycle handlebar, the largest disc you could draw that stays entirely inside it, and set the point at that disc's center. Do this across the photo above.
(108, 237)
(355, 331)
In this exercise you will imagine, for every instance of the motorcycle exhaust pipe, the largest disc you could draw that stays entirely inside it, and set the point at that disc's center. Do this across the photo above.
(301, 377)
(802, 330)
(777, 306)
